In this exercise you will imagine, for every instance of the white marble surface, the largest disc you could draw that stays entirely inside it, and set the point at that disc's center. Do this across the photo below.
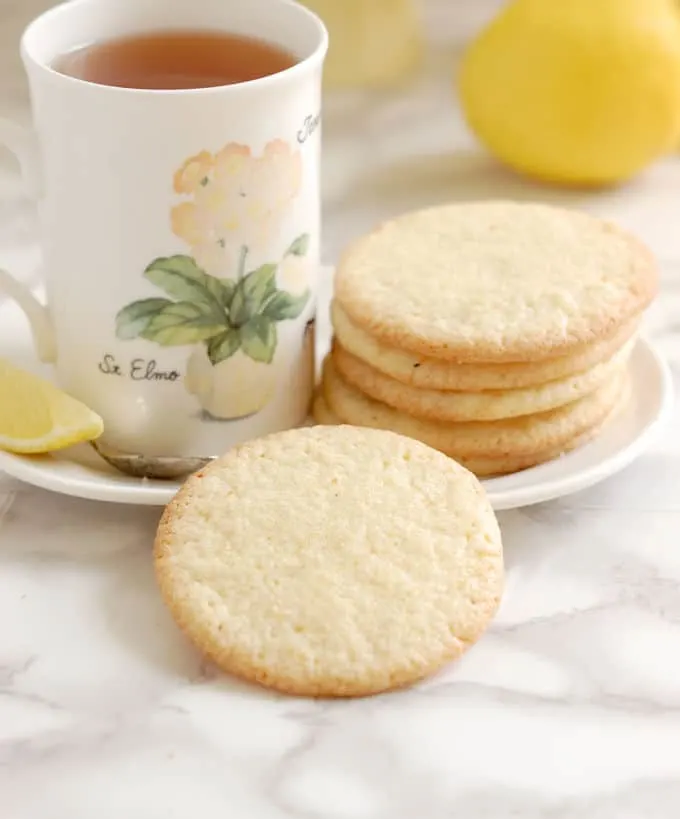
(569, 707)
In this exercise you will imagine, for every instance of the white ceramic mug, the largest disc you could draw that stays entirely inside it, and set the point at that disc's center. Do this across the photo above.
(180, 230)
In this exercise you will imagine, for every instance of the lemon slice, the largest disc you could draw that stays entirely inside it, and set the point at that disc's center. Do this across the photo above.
(36, 416)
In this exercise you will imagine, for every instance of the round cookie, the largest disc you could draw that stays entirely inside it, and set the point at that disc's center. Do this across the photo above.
(495, 282)
(331, 561)
(489, 467)
(435, 374)
(527, 435)
(444, 405)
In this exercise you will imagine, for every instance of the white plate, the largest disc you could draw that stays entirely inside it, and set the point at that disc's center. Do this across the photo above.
(78, 471)
(619, 444)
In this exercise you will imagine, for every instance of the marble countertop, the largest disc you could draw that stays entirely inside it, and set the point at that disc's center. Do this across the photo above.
(570, 705)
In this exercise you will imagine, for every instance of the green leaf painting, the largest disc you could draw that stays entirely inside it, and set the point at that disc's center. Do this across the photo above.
(223, 346)
(252, 292)
(181, 278)
(224, 289)
(182, 323)
(258, 339)
(225, 315)
(284, 306)
(300, 246)
(132, 320)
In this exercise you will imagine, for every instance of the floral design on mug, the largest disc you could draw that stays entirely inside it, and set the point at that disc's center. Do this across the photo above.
(235, 199)
(212, 301)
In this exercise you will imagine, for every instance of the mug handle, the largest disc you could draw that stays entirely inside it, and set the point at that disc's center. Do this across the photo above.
(23, 143)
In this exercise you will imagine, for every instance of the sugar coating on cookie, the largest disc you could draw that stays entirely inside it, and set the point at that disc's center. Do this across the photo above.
(331, 561)
(494, 281)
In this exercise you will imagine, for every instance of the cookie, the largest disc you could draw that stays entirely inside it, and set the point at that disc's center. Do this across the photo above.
(548, 431)
(495, 282)
(443, 405)
(491, 467)
(435, 374)
(331, 561)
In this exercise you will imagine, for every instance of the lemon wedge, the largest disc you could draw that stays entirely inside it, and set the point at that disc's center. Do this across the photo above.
(37, 417)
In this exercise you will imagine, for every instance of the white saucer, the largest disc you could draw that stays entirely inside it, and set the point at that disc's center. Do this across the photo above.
(78, 471)
(620, 443)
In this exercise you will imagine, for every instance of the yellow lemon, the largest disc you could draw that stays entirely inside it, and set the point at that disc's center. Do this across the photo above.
(36, 416)
(579, 91)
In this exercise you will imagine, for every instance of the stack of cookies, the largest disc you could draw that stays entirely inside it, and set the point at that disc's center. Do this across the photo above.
(498, 333)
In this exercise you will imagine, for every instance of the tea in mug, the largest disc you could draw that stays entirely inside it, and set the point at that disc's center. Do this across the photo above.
(174, 60)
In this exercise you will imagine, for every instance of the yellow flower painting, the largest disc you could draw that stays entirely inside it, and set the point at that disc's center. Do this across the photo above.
(234, 204)
(235, 198)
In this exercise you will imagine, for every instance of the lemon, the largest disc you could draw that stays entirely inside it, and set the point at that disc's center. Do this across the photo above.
(36, 416)
(579, 91)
